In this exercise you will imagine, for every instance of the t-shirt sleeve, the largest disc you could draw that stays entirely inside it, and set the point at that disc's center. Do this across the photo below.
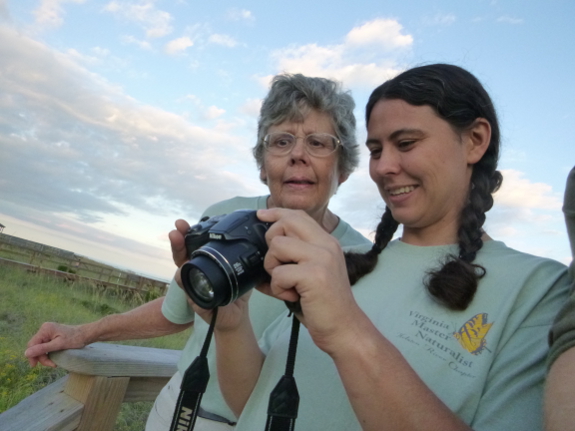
(273, 331)
(512, 395)
(175, 307)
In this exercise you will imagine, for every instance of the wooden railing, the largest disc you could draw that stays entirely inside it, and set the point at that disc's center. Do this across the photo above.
(100, 378)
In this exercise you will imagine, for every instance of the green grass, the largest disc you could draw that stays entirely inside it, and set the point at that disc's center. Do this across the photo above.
(27, 300)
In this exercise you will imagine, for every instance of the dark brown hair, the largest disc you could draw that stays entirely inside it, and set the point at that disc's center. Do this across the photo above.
(458, 98)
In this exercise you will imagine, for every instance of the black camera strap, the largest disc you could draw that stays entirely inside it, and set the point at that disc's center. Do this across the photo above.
(194, 383)
(284, 399)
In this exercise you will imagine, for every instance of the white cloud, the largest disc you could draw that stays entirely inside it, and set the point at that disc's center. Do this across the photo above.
(87, 59)
(101, 52)
(49, 13)
(383, 32)
(155, 22)
(222, 39)
(178, 45)
(518, 192)
(251, 107)
(213, 112)
(236, 14)
(365, 59)
(73, 145)
(131, 40)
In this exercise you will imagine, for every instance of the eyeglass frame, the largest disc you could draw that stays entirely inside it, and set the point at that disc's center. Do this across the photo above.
(337, 143)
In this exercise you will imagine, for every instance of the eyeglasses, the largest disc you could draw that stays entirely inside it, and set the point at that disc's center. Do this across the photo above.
(316, 144)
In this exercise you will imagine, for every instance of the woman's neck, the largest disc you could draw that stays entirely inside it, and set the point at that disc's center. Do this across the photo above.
(325, 218)
(329, 221)
(427, 238)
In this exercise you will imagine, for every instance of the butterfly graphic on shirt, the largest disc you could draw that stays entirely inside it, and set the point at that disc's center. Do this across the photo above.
(472, 334)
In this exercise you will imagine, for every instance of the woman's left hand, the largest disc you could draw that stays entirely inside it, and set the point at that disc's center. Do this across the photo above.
(307, 264)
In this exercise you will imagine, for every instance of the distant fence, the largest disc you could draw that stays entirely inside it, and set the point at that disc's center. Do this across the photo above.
(36, 246)
(62, 263)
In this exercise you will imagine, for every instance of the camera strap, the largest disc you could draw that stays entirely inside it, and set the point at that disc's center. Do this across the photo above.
(194, 383)
(284, 399)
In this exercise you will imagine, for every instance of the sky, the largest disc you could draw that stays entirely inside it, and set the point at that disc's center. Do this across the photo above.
(119, 117)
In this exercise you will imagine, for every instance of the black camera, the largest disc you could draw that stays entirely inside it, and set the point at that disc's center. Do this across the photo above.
(226, 258)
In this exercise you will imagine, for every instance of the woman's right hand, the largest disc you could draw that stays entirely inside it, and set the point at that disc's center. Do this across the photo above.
(52, 337)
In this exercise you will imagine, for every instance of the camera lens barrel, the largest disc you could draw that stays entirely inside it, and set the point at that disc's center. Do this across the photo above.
(229, 264)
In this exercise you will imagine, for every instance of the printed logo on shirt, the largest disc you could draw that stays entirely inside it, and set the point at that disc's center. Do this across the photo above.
(472, 334)
(443, 341)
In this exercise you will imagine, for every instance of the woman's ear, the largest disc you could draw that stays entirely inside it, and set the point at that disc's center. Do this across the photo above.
(478, 137)
(342, 179)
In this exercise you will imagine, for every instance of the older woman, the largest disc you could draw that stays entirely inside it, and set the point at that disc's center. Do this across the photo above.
(305, 149)
(445, 328)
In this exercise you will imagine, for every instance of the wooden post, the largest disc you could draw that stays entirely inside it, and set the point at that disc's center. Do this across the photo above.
(102, 398)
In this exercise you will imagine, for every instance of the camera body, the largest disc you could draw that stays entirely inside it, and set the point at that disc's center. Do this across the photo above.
(226, 255)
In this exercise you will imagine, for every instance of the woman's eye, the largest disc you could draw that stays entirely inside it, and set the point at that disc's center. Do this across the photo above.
(316, 143)
(374, 152)
(404, 145)
(281, 143)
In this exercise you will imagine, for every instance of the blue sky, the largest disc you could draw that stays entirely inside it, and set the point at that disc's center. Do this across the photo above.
(118, 117)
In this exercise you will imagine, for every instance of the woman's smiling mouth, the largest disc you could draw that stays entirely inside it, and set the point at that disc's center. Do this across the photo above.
(401, 190)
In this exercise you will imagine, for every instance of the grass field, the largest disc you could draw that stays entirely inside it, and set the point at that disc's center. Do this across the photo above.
(26, 301)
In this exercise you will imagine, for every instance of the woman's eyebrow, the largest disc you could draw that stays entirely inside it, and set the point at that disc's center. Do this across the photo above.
(407, 131)
(396, 135)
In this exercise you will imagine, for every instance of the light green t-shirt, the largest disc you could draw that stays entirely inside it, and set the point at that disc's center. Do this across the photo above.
(487, 363)
(263, 308)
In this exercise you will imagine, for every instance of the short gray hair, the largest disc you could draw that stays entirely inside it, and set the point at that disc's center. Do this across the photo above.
(290, 98)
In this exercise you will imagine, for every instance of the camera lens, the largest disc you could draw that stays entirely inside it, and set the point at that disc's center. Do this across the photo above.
(229, 264)
(202, 286)
(206, 281)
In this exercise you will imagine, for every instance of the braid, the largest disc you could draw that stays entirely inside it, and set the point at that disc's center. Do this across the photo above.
(359, 264)
(455, 283)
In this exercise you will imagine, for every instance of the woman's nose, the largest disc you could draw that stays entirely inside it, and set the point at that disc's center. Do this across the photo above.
(388, 163)
(298, 151)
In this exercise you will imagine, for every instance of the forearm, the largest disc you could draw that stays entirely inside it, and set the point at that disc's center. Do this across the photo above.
(239, 361)
(145, 321)
(560, 393)
(384, 389)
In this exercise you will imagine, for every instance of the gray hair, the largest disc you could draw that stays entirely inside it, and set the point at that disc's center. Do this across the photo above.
(292, 96)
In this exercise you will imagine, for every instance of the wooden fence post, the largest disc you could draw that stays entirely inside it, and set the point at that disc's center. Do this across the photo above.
(102, 398)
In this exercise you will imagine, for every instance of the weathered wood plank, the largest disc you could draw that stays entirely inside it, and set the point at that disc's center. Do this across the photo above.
(49, 409)
(103, 359)
(102, 398)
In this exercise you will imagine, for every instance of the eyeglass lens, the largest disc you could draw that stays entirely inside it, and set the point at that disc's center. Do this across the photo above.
(317, 144)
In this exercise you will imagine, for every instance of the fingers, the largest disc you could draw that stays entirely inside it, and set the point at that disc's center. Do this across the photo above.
(52, 337)
(182, 226)
(38, 353)
(292, 223)
(177, 242)
(42, 359)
